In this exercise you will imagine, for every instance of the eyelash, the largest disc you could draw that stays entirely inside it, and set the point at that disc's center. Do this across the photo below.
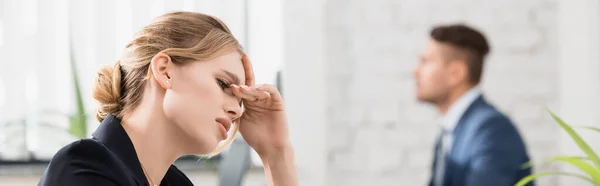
(223, 84)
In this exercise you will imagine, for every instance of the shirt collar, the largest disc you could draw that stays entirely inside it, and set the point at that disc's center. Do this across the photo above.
(112, 134)
(455, 112)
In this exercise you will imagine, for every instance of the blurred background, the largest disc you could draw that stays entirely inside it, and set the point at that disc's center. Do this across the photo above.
(344, 67)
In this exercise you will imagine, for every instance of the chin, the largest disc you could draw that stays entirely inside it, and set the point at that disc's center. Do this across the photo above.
(204, 150)
(424, 99)
(420, 97)
(202, 145)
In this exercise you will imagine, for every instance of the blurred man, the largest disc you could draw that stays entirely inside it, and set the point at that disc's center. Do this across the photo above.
(478, 145)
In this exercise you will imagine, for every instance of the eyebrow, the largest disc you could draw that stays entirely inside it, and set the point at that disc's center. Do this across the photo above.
(235, 78)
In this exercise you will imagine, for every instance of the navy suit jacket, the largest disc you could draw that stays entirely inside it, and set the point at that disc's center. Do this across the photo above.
(487, 150)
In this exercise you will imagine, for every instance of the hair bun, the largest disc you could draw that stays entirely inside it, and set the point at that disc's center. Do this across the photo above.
(107, 91)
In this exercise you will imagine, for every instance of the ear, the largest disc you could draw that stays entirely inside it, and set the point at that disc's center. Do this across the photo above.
(458, 71)
(159, 66)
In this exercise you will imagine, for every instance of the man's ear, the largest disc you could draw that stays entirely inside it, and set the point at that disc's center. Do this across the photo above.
(459, 71)
(158, 66)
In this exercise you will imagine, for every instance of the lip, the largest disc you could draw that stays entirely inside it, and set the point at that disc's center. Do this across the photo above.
(225, 125)
(223, 132)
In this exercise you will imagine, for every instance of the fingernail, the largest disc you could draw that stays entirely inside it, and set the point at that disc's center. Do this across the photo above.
(244, 86)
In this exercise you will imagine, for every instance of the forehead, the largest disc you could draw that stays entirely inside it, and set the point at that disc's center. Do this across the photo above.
(231, 62)
(436, 48)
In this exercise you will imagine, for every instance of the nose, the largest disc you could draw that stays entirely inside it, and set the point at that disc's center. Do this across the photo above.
(233, 108)
(415, 72)
(416, 69)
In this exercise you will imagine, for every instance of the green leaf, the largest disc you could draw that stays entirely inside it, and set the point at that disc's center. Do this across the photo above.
(530, 163)
(527, 165)
(579, 163)
(532, 177)
(578, 140)
(77, 126)
(591, 128)
(78, 122)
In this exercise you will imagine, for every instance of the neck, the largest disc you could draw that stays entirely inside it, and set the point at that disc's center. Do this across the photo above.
(153, 141)
(445, 104)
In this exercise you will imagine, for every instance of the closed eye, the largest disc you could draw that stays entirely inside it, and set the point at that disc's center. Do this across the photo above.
(223, 84)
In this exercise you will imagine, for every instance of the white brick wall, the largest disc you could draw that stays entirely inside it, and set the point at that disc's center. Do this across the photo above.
(579, 64)
(377, 134)
(373, 46)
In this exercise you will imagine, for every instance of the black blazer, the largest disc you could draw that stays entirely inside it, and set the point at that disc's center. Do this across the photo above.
(108, 159)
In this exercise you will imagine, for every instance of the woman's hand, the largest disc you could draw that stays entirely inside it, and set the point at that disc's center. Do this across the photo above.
(263, 123)
(264, 126)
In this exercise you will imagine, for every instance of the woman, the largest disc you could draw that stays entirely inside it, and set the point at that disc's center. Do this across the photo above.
(177, 89)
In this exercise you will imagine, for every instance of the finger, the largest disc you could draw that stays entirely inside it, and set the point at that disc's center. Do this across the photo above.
(247, 92)
(238, 93)
(250, 93)
(260, 95)
(271, 89)
(248, 70)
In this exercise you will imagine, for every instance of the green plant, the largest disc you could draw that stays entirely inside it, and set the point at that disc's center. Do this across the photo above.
(77, 121)
(590, 164)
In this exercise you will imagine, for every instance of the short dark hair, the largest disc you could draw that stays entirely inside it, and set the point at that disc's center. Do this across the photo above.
(463, 37)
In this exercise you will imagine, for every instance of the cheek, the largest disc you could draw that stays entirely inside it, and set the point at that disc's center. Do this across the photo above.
(432, 77)
(192, 104)
(428, 75)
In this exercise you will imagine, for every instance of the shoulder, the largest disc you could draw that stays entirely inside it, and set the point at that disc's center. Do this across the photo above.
(493, 125)
(486, 122)
(487, 116)
(83, 148)
(83, 159)
(86, 151)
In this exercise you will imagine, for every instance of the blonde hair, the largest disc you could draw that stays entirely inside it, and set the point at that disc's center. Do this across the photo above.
(184, 36)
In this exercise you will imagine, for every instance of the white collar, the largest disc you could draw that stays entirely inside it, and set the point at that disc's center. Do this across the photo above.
(456, 110)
